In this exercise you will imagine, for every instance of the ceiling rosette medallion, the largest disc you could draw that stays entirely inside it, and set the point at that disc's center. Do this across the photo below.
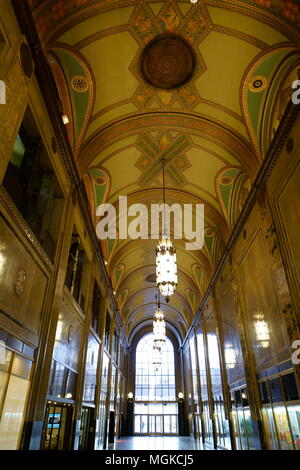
(168, 61)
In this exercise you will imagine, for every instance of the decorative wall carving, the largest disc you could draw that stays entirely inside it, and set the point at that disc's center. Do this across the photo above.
(20, 282)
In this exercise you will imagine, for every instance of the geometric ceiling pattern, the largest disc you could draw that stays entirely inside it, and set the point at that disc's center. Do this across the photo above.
(211, 130)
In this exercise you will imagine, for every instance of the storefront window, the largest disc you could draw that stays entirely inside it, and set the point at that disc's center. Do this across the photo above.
(281, 420)
(14, 386)
(62, 381)
(294, 415)
(112, 388)
(194, 374)
(91, 370)
(236, 430)
(102, 404)
(31, 183)
(270, 430)
(284, 433)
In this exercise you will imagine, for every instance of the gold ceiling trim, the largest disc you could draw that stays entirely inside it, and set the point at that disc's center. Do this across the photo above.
(199, 125)
(268, 16)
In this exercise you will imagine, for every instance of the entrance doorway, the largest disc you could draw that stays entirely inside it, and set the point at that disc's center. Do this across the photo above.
(154, 425)
(57, 427)
(155, 410)
(87, 429)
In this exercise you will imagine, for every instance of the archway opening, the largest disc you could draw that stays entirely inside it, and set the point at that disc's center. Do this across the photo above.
(155, 405)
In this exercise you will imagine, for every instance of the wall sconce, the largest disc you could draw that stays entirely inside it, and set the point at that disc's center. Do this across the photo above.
(65, 119)
(130, 395)
(180, 396)
(59, 329)
(230, 356)
(261, 330)
(2, 261)
(69, 396)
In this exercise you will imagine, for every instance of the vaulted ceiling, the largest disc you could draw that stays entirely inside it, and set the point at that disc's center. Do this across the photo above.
(212, 130)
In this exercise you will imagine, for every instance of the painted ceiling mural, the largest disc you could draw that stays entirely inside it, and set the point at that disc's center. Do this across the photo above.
(210, 129)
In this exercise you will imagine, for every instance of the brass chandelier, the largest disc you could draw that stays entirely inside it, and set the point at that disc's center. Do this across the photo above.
(159, 334)
(166, 264)
(159, 328)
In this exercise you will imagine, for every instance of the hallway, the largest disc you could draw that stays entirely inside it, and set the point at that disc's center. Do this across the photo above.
(149, 225)
(158, 443)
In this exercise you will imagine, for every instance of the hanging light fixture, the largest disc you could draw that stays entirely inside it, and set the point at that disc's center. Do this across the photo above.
(159, 327)
(166, 264)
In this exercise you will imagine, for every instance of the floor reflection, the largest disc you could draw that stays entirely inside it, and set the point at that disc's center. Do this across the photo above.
(158, 443)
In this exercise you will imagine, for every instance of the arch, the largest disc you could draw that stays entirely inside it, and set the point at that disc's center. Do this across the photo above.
(262, 85)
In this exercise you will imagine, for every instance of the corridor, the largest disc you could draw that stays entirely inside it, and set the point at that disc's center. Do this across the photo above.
(149, 225)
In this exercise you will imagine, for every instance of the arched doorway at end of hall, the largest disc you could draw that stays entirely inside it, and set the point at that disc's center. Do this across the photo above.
(155, 408)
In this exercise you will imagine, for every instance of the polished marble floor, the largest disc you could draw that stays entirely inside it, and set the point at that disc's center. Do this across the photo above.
(157, 443)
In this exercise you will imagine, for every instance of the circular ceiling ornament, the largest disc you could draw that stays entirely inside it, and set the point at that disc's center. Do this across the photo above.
(100, 181)
(168, 61)
(226, 180)
(209, 233)
(79, 84)
(258, 84)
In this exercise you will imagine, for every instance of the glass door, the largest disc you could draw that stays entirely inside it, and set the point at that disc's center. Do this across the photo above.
(87, 429)
(57, 427)
(159, 425)
(155, 418)
(156, 425)
(144, 424)
(152, 424)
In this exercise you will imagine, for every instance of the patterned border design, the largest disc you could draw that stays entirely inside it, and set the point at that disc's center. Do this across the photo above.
(55, 18)
(174, 121)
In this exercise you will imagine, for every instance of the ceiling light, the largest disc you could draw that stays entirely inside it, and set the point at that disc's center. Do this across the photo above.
(166, 268)
(166, 263)
(230, 356)
(159, 329)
